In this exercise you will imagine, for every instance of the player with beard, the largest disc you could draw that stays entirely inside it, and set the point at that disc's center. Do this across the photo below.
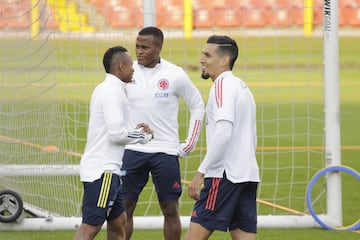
(229, 170)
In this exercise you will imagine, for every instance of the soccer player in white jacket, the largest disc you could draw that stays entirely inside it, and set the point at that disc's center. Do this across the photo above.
(154, 98)
(229, 170)
(106, 138)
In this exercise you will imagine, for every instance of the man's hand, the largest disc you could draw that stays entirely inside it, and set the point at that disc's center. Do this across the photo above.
(145, 128)
(194, 186)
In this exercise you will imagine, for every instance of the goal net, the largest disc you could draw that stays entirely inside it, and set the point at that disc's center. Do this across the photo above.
(51, 60)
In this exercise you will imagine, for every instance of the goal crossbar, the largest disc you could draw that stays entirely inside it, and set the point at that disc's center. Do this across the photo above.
(142, 223)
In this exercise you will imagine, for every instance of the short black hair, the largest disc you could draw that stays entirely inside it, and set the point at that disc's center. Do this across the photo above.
(226, 45)
(109, 58)
(155, 32)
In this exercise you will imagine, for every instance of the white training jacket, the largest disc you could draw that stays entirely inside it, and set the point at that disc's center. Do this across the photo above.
(231, 138)
(107, 131)
(154, 99)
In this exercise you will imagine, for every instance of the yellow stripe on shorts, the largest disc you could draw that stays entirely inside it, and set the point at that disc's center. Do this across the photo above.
(105, 188)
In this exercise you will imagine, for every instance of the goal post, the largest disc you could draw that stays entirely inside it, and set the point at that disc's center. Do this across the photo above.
(332, 108)
(46, 83)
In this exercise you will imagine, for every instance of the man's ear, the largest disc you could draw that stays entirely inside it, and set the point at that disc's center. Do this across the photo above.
(121, 66)
(225, 60)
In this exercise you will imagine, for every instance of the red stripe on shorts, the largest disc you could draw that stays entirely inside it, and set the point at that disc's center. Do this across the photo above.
(211, 199)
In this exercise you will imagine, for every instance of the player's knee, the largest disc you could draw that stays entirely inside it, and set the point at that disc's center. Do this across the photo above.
(130, 207)
(170, 208)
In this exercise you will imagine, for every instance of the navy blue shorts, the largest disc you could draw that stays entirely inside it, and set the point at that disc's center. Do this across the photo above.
(224, 205)
(102, 200)
(164, 169)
